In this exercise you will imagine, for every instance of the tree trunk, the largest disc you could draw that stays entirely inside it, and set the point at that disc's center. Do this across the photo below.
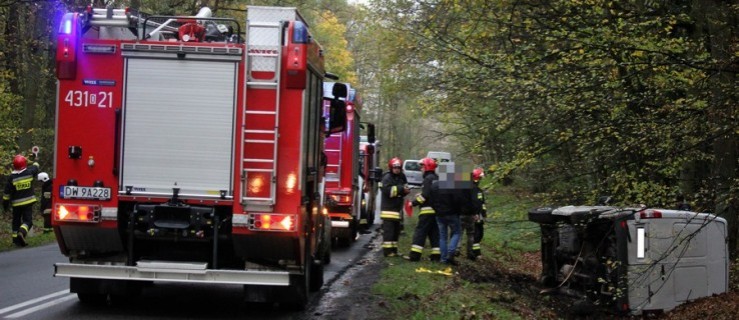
(718, 22)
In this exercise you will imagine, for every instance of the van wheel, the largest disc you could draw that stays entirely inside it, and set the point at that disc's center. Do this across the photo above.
(542, 215)
(93, 299)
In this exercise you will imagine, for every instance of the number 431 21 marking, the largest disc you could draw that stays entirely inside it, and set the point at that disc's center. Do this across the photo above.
(84, 98)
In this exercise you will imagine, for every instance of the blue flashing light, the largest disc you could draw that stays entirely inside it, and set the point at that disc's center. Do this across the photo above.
(66, 27)
(300, 33)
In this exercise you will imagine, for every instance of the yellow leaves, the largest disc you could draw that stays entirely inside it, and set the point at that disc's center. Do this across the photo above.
(330, 33)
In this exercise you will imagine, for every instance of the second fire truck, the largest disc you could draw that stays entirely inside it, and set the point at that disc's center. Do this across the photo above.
(345, 184)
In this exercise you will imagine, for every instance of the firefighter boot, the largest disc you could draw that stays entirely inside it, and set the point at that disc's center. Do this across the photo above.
(22, 233)
(415, 254)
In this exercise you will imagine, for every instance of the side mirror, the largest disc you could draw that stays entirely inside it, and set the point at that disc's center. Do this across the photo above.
(337, 107)
(376, 174)
(339, 90)
(370, 133)
(336, 116)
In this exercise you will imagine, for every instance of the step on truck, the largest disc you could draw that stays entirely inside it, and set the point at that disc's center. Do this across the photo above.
(344, 184)
(188, 150)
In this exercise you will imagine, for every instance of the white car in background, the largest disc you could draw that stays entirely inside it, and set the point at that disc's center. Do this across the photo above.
(413, 172)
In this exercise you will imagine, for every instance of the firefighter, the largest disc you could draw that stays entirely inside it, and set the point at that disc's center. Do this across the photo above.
(393, 190)
(19, 194)
(426, 227)
(482, 212)
(45, 207)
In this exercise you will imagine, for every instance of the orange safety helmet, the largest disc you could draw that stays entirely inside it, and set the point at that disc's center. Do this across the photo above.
(428, 164)
(394, 162)
(477, 174)
(19, 162)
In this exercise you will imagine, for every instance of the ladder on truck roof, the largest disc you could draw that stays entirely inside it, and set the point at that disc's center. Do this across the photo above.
(260, 121)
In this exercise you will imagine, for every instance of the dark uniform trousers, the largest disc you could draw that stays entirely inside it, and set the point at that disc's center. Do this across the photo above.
(390, 232)
(426, 228)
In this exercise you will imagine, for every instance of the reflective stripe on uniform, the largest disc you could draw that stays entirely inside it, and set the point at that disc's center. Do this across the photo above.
(420, 198)
(23, 201)
(387, 244)
(390, 215)
(24, 227)
(427, 210)
(436, 250)
(417, 248)
(394, 192)
(479, 196)
(476, 246)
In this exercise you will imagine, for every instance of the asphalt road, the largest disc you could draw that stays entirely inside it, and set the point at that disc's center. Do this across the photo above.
(28, 290)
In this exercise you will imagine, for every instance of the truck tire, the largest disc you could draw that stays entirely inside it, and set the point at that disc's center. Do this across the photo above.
(542, 215)
(316, 277)
(296, 296)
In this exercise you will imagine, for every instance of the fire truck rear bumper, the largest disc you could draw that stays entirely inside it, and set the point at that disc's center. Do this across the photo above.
(173, 272)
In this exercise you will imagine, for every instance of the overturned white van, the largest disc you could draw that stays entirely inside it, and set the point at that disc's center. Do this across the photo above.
(632, 260)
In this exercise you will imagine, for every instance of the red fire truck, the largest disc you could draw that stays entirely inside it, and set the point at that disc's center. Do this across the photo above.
(189, 151)
(344, 185)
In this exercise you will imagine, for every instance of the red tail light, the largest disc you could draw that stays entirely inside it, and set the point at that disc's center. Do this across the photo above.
(77, 213)
(342, 198)
(650, 214)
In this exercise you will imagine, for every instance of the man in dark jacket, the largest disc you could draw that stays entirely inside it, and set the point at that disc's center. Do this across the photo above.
(452, 195)
(19, 194)
(392, 190)
(426, 227)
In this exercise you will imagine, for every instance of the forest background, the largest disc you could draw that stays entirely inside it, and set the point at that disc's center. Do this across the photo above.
(566, 99)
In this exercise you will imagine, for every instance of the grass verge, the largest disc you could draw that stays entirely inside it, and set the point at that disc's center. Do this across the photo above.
(490, 288)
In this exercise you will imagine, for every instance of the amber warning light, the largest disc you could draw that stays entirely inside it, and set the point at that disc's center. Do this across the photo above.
(272, 222)
(77, 213)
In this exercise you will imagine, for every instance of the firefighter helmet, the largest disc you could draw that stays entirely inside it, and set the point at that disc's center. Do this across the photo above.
(394, 162)
(477, 174)
(19, 162)
(428, 164)
(43, 177)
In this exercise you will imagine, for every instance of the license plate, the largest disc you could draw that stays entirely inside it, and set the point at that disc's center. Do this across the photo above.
(90, 193)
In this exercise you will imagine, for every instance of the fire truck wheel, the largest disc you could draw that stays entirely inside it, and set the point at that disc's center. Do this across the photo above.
(298, 298)
(326, 256)
(316, 276)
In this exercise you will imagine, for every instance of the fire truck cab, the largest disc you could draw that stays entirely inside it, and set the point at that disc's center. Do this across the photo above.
(188, 150)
